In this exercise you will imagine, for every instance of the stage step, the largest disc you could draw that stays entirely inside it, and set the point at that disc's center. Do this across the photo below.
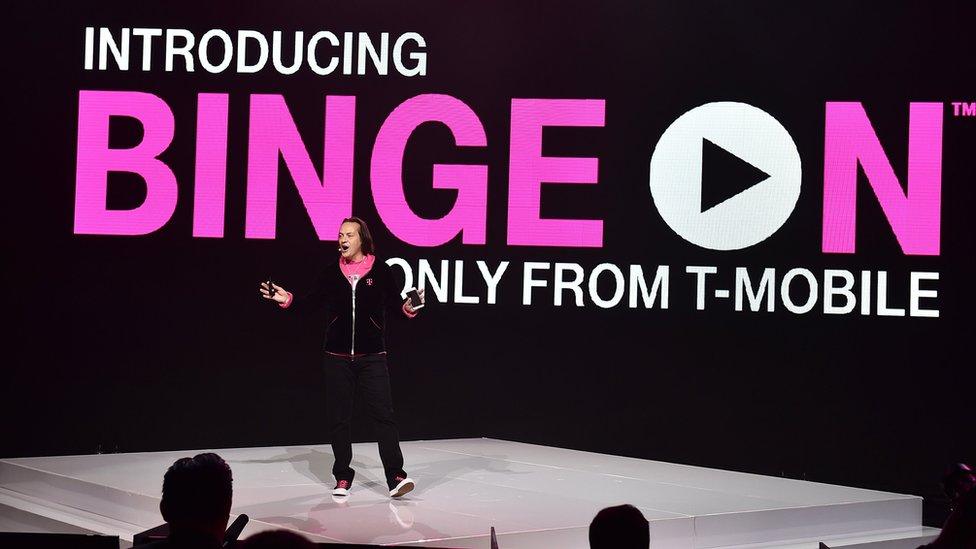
(23, 513)
(910, 539)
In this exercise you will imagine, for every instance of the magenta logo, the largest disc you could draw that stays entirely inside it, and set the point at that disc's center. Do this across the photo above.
(734, 130)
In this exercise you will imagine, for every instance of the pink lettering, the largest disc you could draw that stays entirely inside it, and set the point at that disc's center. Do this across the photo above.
(272, 130)
(914, 217)
(210, 176)
(96, 160)
(528, 169)
(468, 216)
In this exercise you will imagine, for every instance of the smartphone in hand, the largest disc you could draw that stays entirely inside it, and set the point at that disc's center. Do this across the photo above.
(414, 298)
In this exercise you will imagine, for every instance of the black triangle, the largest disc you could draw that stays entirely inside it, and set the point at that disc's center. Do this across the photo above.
(724, 175)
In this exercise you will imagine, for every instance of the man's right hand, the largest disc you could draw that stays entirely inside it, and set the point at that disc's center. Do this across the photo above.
(280, 295)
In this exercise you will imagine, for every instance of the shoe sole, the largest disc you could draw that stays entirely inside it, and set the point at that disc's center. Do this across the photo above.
(340, 492)
(401, 490)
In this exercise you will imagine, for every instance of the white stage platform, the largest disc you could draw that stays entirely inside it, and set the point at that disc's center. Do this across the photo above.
(534, 496)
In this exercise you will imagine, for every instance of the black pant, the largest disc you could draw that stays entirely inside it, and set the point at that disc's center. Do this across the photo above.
(367, 374)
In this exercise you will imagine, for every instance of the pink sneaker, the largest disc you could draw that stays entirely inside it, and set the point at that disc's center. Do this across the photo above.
(400, 485)
(341, 488)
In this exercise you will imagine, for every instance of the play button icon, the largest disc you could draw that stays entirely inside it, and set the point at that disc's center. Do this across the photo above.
(725, 176)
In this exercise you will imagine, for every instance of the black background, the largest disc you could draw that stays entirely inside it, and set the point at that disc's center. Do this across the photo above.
(161, 342)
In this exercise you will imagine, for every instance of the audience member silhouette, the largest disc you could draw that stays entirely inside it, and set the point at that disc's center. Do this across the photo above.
(276, 539)
(620, 527)
(959, 530)
(196, 503)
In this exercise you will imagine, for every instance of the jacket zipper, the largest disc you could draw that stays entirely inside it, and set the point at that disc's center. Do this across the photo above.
(352, 350)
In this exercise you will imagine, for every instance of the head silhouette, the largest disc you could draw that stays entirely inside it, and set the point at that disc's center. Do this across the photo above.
(197, 495)
(277, 539)
(620, 527)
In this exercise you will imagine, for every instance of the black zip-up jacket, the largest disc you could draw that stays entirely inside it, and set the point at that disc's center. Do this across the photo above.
(355, 318)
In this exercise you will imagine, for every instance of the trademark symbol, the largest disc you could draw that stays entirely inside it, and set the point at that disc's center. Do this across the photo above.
(960, 108)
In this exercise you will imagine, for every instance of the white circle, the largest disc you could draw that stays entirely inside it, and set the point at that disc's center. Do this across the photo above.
(747, 218)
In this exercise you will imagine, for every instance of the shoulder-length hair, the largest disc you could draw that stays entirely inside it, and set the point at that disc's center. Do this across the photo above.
(364, 234)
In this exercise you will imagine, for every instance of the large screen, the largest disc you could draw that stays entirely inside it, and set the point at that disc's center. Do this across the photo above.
(728, 234)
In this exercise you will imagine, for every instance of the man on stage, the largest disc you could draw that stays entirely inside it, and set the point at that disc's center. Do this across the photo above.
(356, 293)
